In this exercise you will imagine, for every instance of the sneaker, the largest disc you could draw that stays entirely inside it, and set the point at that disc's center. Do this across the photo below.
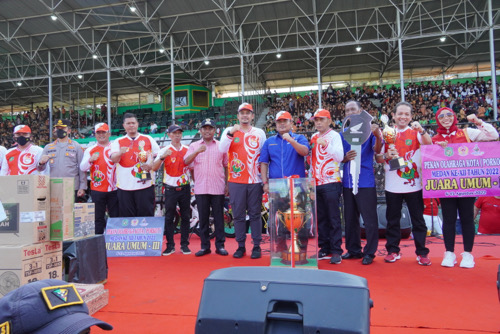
(221, 251)
(336, 259)
(467, 260)
(168, 251)
(185, 250)
(240, 252)
(367, 259)
(349, 256)
(392, 257)
(423, 260)
(256, 253)
(322, 255)
(202, 252)
(449, 259)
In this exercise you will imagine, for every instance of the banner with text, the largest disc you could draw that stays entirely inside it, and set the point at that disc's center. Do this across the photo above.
(134, 236)
(461, 170)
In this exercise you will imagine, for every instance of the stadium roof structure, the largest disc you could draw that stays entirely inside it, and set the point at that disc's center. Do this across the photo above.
(78, 43)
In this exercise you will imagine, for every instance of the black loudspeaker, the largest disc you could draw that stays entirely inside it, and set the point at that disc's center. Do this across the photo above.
(382, 222)
(249, 300)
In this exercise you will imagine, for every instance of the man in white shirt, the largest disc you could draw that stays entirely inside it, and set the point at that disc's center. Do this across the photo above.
(133, 155)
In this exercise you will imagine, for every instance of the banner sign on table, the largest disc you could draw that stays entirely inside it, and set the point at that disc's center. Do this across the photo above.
(461, 170)
(134, 236)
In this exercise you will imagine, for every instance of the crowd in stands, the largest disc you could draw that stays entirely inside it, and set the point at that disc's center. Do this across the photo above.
(38, 121)
(464, 98)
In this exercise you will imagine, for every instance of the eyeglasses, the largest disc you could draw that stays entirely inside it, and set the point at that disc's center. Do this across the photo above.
(448, 114)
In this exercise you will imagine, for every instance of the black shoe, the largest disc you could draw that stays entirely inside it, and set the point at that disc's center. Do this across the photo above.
(256, 253)
(349, 256)
(221, 251)
(240, 252)
(367, 259)
(336, 259)
(168, 251)
(185, 250)
(202, 252)
(322, 255)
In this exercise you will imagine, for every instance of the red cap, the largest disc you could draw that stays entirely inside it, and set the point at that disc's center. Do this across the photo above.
(283, 115)
(246, 106)
(322, 113)
(22, 129)
(101, 127)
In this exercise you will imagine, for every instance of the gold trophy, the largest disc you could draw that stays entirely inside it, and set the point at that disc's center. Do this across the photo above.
(293, 222)
(390, 135)
(143, 158)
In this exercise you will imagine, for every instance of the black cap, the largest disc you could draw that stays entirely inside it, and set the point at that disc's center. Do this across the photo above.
(63, 123)
(208, 122)
(173, 128)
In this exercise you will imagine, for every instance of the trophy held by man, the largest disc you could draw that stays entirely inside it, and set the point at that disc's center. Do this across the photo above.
(144, 157)
(390, 135)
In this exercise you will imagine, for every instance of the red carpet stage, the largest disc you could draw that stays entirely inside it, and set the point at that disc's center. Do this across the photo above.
(161, 294)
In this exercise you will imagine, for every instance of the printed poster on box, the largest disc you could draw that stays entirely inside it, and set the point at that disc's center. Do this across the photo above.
(134, 236)
(461, 170)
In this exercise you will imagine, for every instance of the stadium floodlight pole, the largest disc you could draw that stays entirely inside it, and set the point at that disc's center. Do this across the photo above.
(400, 47)
(50, 97)
(213, 92)
(318, 63)
(492, 61)
(108, 71)
(172, 79)
(320, 92)
(242, 69)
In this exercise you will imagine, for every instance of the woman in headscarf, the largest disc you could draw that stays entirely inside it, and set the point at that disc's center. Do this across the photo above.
(448, 133)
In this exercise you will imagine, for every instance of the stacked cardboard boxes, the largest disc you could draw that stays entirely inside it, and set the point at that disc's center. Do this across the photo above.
(26, 252)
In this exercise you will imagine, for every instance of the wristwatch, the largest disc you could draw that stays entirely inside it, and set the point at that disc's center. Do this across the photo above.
(423, 132)
(230, 134)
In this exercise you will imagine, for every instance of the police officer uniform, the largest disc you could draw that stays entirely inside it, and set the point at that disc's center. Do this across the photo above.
(65, 158)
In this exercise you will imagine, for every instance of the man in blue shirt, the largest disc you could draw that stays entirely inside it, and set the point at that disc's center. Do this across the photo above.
(365, 201)
(283, 154)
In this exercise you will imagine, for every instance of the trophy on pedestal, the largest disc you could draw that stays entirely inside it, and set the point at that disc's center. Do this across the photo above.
(390, 135)
(293, 228)
(293, 221)
(143, 157)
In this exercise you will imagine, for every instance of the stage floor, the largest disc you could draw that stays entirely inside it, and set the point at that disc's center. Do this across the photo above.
(162, 294)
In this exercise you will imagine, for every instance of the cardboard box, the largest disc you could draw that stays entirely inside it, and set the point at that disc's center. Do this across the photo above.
(62, 199)
(93, 295)
(53, 260)
(20, 265)
(84, 220)
(25, 200)
(98, 302)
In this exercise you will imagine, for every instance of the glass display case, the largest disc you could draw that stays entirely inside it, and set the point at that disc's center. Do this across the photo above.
(292, 223)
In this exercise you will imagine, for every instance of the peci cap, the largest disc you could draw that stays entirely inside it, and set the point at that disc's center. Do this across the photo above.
(246, 106)
(208, 122)
(283, 115)
(63, 123)
(46, 307)
(22, 129)
(101, 127)
(322, 113)
(173, 128)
